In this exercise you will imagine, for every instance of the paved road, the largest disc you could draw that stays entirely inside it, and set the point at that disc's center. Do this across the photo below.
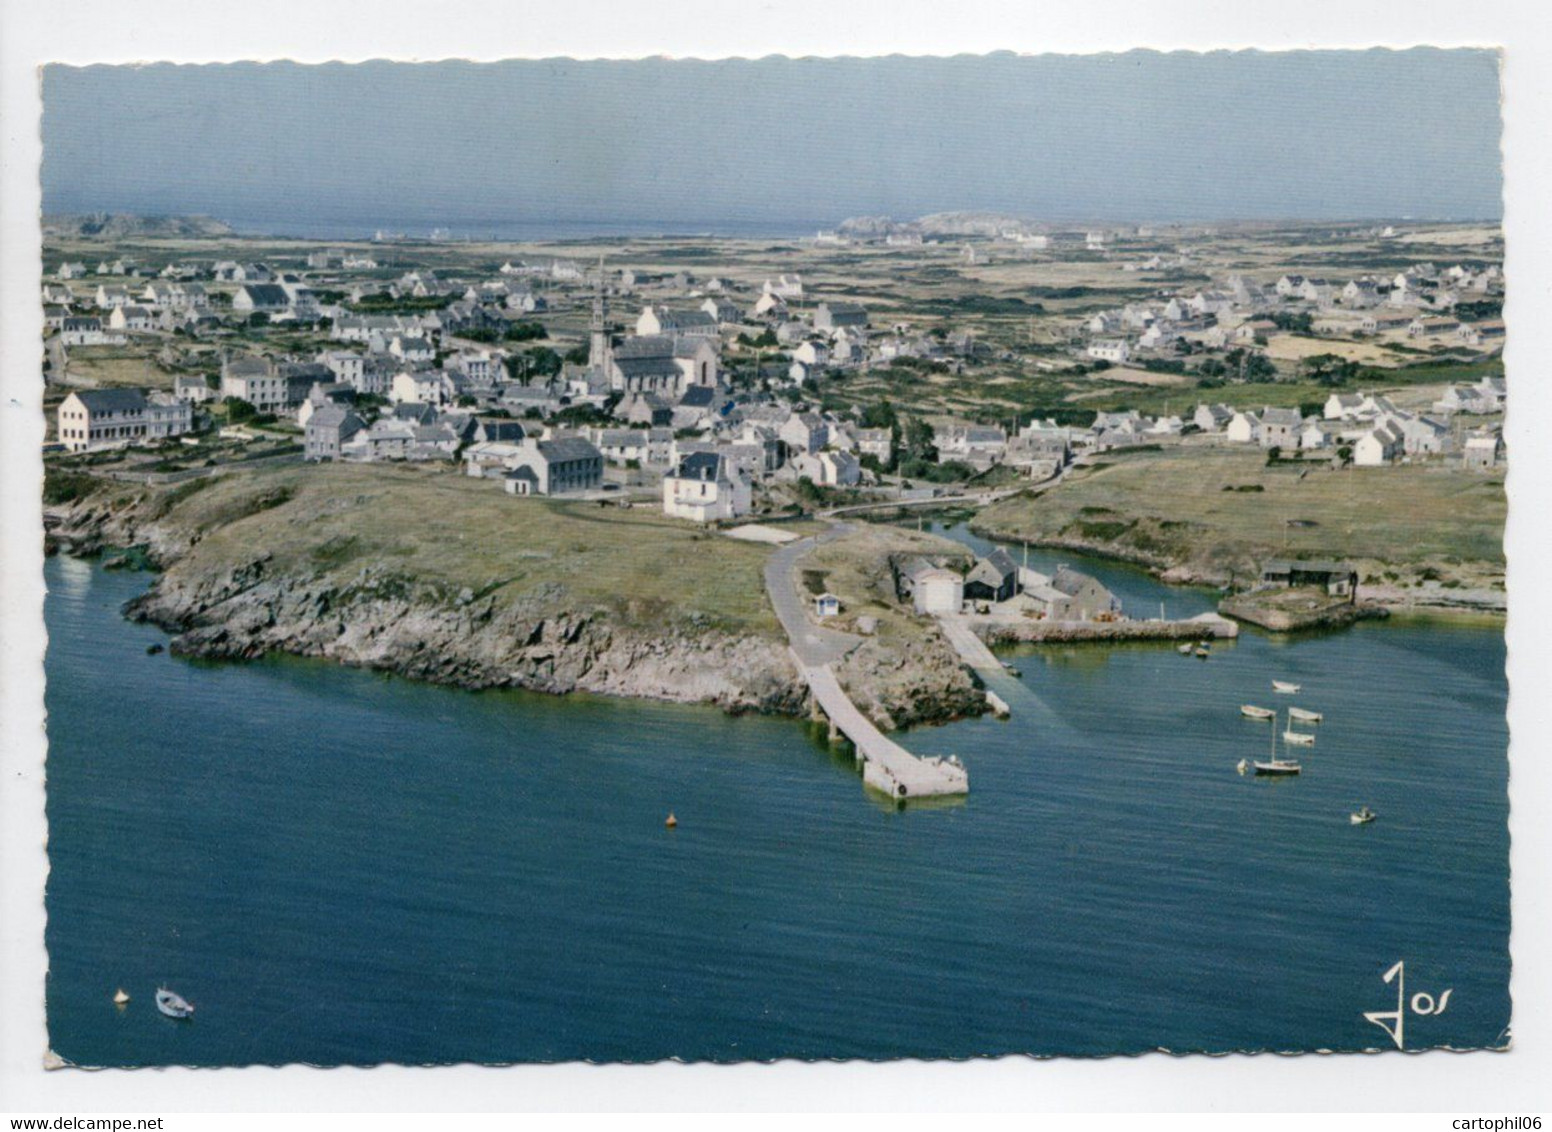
(813, 645)
(887, 766)
(975, 498)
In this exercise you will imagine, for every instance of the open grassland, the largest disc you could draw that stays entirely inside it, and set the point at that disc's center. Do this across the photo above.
(440, 528)
(133, 366)
(1296, 347)
(1219, 512)
(1429, 379)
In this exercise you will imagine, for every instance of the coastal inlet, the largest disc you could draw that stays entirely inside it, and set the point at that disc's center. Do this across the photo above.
(487, 877)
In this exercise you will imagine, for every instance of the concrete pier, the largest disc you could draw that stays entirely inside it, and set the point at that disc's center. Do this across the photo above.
(886, 766)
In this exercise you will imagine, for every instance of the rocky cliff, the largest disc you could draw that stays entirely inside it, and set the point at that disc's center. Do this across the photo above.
(376, 615)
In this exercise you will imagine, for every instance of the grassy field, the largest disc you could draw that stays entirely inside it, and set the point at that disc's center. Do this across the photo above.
(1223, 510)
(444, 529)
(133, 366)
(1287, 394)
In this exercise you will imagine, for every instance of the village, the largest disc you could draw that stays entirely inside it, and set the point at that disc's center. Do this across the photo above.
(747, 400)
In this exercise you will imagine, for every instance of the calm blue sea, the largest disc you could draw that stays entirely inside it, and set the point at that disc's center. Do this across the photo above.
(338, 866)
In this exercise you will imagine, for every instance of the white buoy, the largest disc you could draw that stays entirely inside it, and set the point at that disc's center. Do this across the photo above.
(120, 997)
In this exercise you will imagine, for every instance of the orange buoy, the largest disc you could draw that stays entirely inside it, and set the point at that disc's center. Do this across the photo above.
(672, 822)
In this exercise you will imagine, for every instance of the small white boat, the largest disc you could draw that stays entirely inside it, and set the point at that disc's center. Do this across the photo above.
(172, 1004)
(1185, 649)
(1203, 653)
(1278, 766)
(1299, 738)
(1362, 816)
(1284, 687)
(1304, 715)
(1250, 711)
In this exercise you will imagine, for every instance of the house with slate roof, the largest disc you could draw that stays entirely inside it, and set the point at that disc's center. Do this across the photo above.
(105, 418)
(562, 466)
(266, 297)
(328, 429)
(833, 316)
(706, 487)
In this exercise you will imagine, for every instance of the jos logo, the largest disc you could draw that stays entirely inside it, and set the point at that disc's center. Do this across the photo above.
(1423, 1004)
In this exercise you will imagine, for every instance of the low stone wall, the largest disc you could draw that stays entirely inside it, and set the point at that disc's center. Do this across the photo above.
(1194, 629)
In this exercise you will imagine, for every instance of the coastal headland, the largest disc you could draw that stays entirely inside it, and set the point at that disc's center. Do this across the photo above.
(434, 576)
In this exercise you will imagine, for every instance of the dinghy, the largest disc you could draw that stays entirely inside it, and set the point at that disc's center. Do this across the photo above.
(1250, 711)
(1284, 687)
(1304, 715)
(172, 1004)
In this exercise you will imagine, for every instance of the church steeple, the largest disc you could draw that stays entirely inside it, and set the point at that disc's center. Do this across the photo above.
(599, 346)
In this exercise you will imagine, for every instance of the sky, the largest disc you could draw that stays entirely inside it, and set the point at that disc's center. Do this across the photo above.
(1139, 136)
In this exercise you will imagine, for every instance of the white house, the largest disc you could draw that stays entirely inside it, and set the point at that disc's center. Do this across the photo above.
(1243, 428)
(804, 432)
(1378, 447)
(411, 349)
(87, 331)
(1280, 428)
(137, 319)
(1483, 452)
(935, 589)
(812, 354)
(260, 297)
(1313, 436)
(424, 387)
(705, 487)
(1110, 350)
(193, 388)
(829, 468)
(1212, 418)
(688, 324)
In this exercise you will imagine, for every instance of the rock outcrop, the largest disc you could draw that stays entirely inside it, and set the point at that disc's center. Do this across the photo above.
(226, 607)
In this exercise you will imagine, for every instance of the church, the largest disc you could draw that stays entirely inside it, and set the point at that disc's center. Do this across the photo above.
(662, 367)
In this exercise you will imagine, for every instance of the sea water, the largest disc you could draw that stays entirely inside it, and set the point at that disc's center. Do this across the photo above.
(339, 866)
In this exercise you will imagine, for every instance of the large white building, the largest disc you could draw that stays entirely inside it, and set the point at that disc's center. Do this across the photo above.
(256, 381)
(706, 487)
(103, 418)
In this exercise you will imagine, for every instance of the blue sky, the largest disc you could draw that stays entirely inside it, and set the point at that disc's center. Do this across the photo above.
(1138, 136)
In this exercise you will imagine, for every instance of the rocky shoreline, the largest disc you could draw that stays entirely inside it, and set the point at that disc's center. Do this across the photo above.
(380, 619)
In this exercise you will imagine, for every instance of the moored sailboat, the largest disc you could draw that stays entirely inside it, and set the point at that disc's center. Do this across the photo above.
(1275, 766)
